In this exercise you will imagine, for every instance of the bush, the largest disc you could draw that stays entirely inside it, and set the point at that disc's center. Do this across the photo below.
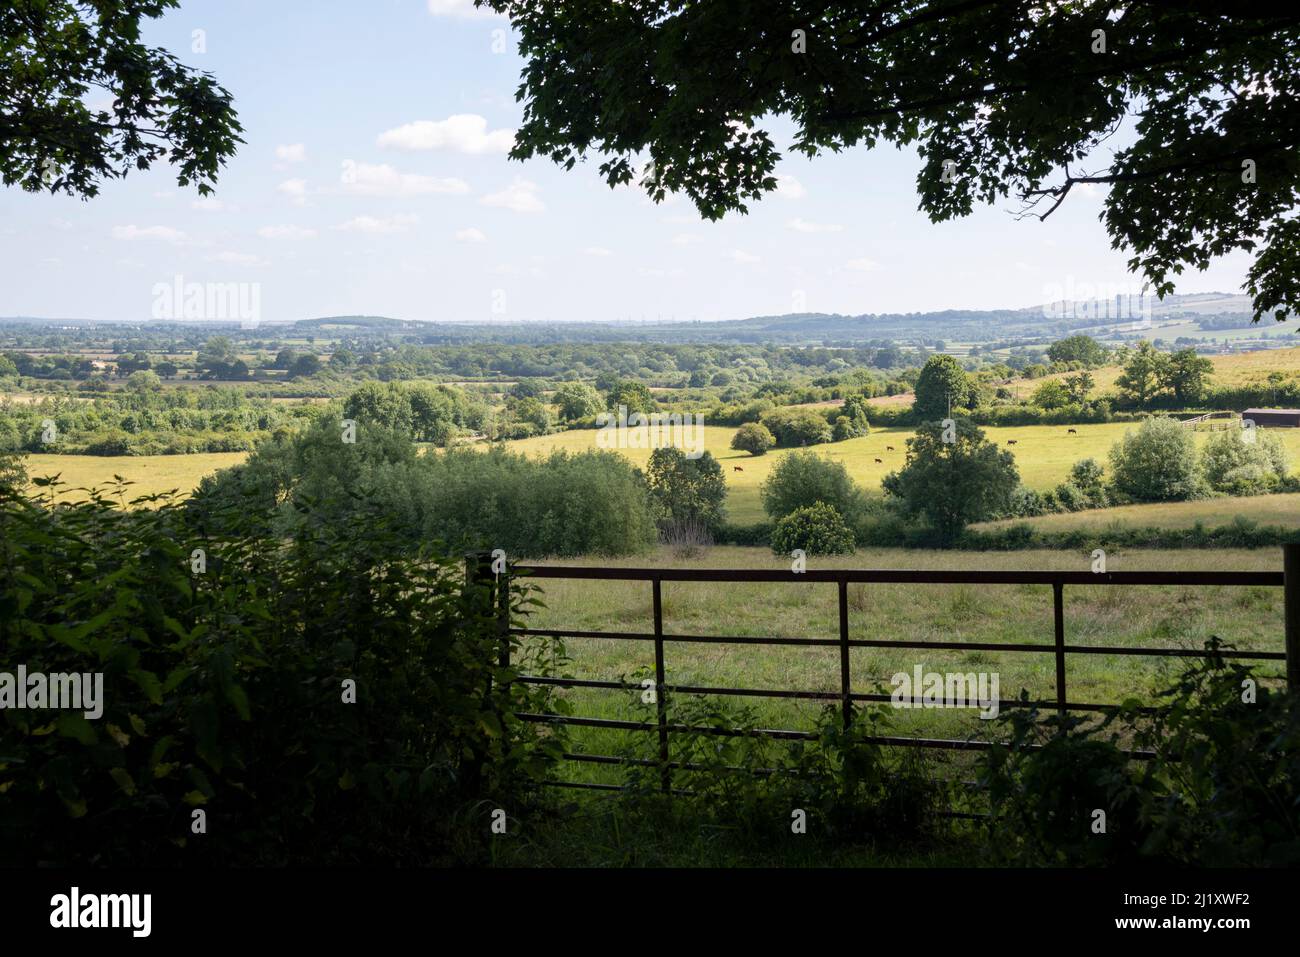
(801, 479)
(224, 690)
(1242, 463)
(818, 529)
(797, 427)
(754, 438)
(1156, 463)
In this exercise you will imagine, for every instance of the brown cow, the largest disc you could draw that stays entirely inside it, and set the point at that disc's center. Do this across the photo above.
(737, 468)
(1011, 441)
(1071, 431)
(879, 462)
(889, 448)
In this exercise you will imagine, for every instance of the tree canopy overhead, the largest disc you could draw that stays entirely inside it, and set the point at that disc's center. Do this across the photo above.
(1188, 112)
(83, 100)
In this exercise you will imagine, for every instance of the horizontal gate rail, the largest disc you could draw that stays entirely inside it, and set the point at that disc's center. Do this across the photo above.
(1288, 580)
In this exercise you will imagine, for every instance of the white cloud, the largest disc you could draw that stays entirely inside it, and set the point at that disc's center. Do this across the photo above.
(295, 189)
(654, 273)
(164, 233)
(459, 8)
(787, 187)
(237, 259)
(803, 226)
(520, 197)
(862, 265)
(364, 179)
(286, 232)
(686, 239)
(372, 224)
(742, 257)
(291, 153)
(462, 133)
(470, 235)
(598, 251)
(208, 204)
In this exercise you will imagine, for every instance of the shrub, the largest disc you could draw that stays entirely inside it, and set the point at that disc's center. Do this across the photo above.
(797, 427)
(818, 529)
(224, 689)
(1238, 465)
(1155, 463)
(801, 479)
(754, 438)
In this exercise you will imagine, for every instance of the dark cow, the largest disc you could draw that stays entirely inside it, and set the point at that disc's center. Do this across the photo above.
(1011, 441)
(1071, 431)
(880, 462)
(737, 468)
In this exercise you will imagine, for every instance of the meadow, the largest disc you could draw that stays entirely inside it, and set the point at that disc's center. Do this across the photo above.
(149, 474)
(1282, 510)
(1044, 455)
(1161, 617)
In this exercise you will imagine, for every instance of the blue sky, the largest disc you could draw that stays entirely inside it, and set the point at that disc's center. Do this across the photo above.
(374, 180)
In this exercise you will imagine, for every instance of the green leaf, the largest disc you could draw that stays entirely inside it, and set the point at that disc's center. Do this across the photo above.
(73, 724)
(123, 780)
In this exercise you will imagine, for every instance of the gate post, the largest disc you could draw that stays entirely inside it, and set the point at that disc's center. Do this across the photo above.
(1291, 612)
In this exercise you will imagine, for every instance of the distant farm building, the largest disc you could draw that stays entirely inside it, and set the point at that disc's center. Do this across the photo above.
(1273, 418)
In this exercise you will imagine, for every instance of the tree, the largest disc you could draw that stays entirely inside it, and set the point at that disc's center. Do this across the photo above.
(1082, 349)
(754, 438)
(1236, 466)
(952, 484)
(1051, 394)
(1079, 385)
(54, 53)
(145, 380)
(802, 479)
(818, 529)
(1156, 463)
(285, 358)
(1211, 93)
(686, 490)
(305, 366)
(942, 378)
(1185, 375)
(852, 422)
(796, 427)
(636, 396)
(577, 402)
(1144, 373)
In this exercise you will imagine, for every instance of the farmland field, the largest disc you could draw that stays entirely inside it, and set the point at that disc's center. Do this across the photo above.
(1161, 617)
(150, 473)
(1281, 510)
(1044, 455)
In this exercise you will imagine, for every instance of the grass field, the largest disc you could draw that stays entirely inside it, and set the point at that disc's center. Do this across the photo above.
(1044, 455)
(150, 473)
(1161, 617)
(1283, 510)
(1244, 368)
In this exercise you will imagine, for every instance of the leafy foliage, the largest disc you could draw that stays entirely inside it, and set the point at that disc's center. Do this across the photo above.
(818, 529)
(54, 53)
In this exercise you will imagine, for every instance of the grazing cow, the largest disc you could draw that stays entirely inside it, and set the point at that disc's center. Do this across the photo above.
(737, 468)
(889, 448)
(1071, 431)
(1011, 441)
(879, 462)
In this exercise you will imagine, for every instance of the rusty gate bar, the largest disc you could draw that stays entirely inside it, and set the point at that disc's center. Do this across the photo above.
(661, 704)
(846, 692)
(1058, 628)
(1288, 579)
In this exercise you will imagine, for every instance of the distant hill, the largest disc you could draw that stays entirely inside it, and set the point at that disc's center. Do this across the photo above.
(1041, 323)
